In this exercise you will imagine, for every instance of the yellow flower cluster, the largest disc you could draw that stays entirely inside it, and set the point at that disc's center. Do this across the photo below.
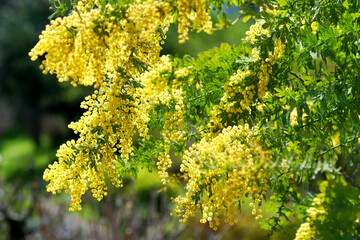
(114, 114)
(92, 48)
(215, 124)
(195, 14)
(172, 131)
(232, 89)
(174, 120)
(266, 65)
(105, 139)
(270, 9)
(109, 47)
(156, 91)
(314, 27)
(155, 87)
(284, 165)
(305, 232)
(163, 164)
(220, 173)
(180, 74)
(241, 88)
(87, 45)
(317, 211)
(73, 176)
(255, 31)
(294, 114)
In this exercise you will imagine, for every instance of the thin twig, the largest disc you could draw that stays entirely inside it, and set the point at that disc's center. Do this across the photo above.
(356, 169)
(298, 203)
(298, 77)
(280, 175)
(339, 145)
(236, 20)
(231, 24)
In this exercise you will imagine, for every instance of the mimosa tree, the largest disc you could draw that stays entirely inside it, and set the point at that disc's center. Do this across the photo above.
(254, 123)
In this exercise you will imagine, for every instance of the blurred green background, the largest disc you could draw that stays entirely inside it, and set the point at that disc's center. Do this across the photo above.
(34, 113)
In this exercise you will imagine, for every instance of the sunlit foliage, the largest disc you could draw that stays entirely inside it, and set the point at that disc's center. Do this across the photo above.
(266, 119)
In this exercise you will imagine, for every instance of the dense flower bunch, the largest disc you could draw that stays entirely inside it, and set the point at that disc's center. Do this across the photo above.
(91, 43)
(221, 172)
(157, 92)
(107, 128)
(245, 88)
(192, 13)
(256, 31)
(94, 46)
(305, 232)
(317, 211)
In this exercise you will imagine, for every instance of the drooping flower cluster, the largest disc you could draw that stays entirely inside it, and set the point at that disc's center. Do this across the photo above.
(242, 88)
(317, 211)
(156, 91)
(220, 173)
(305, 232)
(109, 46)
(90, 44)
(256, 30)
(192, 13)
(105, 142)
(266, 67)
(232, 90)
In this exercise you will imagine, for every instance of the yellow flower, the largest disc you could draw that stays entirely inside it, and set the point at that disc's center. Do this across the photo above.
(314, 27)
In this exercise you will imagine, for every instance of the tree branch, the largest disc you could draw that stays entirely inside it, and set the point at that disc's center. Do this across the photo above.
(339, 145)
(236, 20)
(350, 180)
(298, 77)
